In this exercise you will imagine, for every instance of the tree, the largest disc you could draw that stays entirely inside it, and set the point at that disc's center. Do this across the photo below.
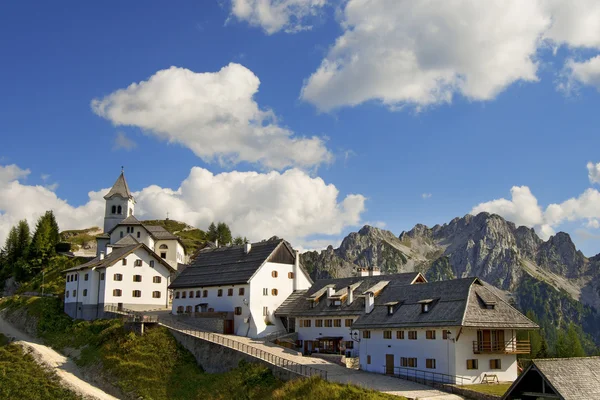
(224, 233)
(16, 252)
(44, 241)
(543, 352)
(238, 241)
(561, 347)
(573, 342)
(211, 233)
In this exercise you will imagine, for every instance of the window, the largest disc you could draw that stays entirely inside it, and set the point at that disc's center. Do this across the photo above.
(495, 364)
(138, 263)
(445, 334)
(191, 294)
(68, 278)
(348, 323)
(188, 309)
(156, 295)
(430, 363)
(387, 334)
(238, 311)
(138, 234)
(366, 334)
(84, 292)
(472, 364)
(176, 295)
(183, 294)
(412, 335)
(274, 292)
(179, 309)
(67, 294)
(306, 323)
(265, 291)
(205, 293)
(319, 323)
(113, 210)
(349, 344)
(241, 291)
(408, 362)
(328, 323)
(274, 274)
(220, 292)
(136, 293)
(429, 334)
(163, 255)
(399, 334)
(119, 210)
(102, 276)
(137, 278)
(117, 292)
(198, 293)
(337, 323)
(121, 234)
(230, 292)
(75, 277)
(291, 275)
(266, 313)
(86, 276)
(368, 359)
(158, 279)
(211, 310)
(164, 246)
(117, 277)
(151, 263)
(124, 262)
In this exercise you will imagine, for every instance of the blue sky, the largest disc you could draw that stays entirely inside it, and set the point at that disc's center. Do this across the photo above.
(423, 155)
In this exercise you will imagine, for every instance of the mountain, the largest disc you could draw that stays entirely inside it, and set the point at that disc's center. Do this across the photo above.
(511, 258)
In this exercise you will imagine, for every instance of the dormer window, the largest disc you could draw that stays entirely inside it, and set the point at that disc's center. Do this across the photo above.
(425, 308)
(426, 305)
(390, 310)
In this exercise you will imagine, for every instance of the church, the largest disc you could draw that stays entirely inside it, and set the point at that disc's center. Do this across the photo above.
(133, 267)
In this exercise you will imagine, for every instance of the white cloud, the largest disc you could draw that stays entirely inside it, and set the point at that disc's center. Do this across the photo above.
(11, 172)
(292, 204)
(593, 172)
(123, 142)
(214, 114)
(426, 195)
(421, 53)
(593, 224)
(276, 15)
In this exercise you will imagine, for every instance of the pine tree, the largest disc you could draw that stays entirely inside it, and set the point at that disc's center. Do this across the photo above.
(212, 234)
(238, 241)
(224, 233)
(561, 347)
(44, 241)
(574, 342)
(543, 352)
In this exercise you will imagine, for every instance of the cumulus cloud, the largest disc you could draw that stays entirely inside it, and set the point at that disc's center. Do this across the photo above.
(276, 15)
(291, 204)
(214, 114)
(123, 142)
(523, 209)
(422, 53)
(593, 172)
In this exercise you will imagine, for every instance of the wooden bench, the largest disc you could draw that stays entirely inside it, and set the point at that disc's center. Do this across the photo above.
(490, 378)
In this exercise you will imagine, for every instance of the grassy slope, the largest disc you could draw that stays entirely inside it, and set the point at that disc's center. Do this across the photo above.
(155, 366)
(53, 277)
(191, 238)
(490, 388)
(22, 378)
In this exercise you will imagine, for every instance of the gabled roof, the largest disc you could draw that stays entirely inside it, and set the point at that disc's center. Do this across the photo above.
(452, 303)
(569, 378)
(227, 265)
(126, 241)
(116, 255)
(301, 305)
(120, 188)
(157, 232)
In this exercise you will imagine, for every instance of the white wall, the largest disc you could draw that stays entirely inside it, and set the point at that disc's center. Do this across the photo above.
(121, 232)
(314, 332)
(224, 303)
(110, 219)
(127, 285)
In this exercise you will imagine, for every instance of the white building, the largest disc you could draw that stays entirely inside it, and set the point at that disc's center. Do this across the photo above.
(248, 282)
(457, 329)
(134, 264)
(324, 314)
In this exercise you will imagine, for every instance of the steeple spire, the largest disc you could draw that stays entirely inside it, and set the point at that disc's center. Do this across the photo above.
(120, 188)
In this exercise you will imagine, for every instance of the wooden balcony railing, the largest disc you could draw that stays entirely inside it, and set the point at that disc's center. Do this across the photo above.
(495, 347)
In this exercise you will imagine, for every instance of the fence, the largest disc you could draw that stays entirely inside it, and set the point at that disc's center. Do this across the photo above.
(130, 315)
(288, 365)
(434, 379)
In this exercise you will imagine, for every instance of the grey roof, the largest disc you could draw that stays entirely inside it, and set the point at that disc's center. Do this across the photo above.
(225, 265)
(130, 220)
(126, 241)
(159, 233)
(300, 305)
(104, 235)
(570, 378)
(455, 302)
(120, 188)
(117, 254)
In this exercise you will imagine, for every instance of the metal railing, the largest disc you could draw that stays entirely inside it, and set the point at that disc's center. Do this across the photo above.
(496, 347)
(275, 335)
(130, 315)
(283, 363)
(430, 378)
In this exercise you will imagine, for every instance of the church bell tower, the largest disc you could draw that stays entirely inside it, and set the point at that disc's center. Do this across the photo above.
(119, 203)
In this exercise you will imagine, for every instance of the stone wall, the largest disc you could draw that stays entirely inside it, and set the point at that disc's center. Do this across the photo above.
(214, 358)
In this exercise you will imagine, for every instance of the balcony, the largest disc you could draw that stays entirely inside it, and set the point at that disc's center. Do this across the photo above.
(497, 347)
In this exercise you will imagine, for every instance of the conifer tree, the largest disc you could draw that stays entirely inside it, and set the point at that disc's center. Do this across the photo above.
(211, 233)
(44, 241)
(574, 342)
(224, 233)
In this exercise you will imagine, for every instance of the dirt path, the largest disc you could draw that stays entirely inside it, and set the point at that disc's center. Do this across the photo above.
(65, 368)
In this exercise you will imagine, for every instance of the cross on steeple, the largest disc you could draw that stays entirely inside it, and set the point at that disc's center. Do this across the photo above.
(167, 215)
(122, 169)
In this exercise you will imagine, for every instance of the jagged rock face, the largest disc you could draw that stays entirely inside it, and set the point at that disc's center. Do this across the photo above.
(560, 256)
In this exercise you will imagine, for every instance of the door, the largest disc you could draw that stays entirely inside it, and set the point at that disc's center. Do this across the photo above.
(228, 328)
(499, 341)
(389, 364)
(486, 342)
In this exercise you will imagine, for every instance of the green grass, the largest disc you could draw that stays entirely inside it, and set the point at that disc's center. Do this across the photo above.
(22, 378)
(497, 389)
(192, 238)
(156, 367)
(53, 279)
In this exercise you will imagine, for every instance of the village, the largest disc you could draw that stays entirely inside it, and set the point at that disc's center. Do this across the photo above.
(458, 332)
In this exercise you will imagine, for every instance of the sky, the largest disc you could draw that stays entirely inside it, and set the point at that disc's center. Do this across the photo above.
(304, 119)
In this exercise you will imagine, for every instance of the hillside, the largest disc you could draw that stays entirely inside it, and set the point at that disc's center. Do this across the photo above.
(511, 258)
(192, 238)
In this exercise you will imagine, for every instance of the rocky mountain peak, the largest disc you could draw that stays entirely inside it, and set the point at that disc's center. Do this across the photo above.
(560, 255)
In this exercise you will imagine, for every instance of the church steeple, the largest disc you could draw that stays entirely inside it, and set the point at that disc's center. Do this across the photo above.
(119, 203)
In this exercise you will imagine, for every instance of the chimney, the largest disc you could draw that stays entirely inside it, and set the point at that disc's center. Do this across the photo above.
(369, 302)
(330, 292)
(374, 271)
(350, 297)
(217, 243)
(108, 250)
(101, 255)
(247, 247)
(295, 270)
